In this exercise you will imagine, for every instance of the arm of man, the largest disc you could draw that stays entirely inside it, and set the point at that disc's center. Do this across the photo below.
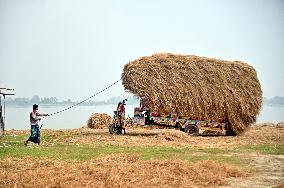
(43, 114)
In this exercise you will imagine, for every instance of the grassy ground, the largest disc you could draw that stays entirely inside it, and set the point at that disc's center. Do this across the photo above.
(82, 146)
(12, 145)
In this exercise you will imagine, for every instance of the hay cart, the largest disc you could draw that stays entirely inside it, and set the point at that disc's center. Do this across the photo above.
(190, 124)
(206, 87)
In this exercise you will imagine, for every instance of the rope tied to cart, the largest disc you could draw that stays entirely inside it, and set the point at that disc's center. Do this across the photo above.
(101, 91)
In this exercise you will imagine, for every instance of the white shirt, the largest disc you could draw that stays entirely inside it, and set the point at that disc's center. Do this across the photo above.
(34, 118)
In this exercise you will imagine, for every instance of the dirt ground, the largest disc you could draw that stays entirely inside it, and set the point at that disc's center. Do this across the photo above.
(269, 172)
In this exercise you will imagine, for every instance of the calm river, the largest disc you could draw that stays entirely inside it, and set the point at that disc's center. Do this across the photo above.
(18, 117)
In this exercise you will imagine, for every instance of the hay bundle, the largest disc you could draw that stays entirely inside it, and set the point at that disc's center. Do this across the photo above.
(202, 86)
(99, 121)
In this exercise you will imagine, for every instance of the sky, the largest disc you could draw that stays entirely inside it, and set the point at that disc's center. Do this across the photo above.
(71, 49)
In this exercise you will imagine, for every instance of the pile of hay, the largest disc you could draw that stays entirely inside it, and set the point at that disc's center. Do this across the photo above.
(115, 170)
(198, 85)
(99, 121)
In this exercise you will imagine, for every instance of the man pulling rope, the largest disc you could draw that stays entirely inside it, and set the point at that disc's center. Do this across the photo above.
(35, 129)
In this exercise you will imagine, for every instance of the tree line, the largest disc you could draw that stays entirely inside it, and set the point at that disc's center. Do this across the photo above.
(274, 101)
(24, 101)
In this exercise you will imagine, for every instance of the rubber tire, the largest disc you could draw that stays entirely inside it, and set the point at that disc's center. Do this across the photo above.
(115, 130)
(119, 130)
(230, 131)
(111, 129)
(191, 130)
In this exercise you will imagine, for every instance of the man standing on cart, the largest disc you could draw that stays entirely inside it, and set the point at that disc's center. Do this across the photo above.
(121, 113)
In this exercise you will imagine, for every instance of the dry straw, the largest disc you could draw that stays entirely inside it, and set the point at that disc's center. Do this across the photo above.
(201, 86)
(116, 170)
(99, 121)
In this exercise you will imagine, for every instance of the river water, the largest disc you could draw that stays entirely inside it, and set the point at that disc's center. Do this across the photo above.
(18, 117)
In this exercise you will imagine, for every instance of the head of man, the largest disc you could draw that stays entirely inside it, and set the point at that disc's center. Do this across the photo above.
(35, 107)
(123, 102)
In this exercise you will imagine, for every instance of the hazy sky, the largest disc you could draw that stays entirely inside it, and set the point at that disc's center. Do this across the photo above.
(74, 48)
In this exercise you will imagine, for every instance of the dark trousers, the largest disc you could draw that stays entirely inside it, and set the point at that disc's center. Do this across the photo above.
(35, 134)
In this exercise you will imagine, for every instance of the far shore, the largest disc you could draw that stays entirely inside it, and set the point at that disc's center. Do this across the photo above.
(266, 124)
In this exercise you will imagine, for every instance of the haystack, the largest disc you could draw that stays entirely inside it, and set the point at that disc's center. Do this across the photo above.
(197, 85)
(99, 121)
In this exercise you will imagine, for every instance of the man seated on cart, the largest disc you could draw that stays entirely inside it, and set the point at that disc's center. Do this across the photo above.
(121, 113)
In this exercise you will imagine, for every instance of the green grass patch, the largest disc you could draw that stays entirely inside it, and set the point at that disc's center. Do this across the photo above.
(188, 154)
(17, 140)
(87, 152)
(273, 149)
(13, 146)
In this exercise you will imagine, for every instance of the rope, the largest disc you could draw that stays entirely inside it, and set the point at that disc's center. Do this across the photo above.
(85, 99)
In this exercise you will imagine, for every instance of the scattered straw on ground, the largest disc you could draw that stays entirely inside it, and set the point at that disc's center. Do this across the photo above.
(175, 138)
(264, 134)
(118, 170)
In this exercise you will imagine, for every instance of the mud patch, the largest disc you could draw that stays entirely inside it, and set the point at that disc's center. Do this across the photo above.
(267, 171)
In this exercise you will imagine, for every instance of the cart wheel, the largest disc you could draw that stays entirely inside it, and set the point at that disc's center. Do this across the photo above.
(118, 130)
(230, 131)
(191, 130)
(111, 129)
